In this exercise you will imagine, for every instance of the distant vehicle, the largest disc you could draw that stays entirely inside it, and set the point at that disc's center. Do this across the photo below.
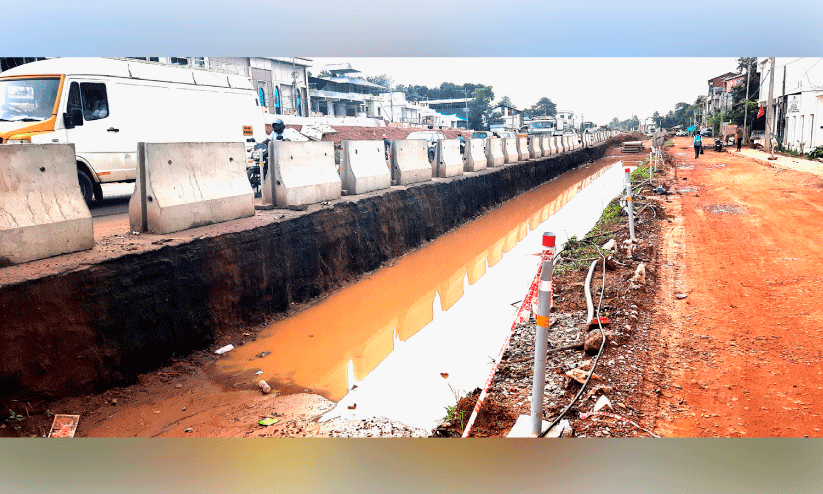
(681, 133)
(707, 132)
(481, 134)
(432, 136)
(588, 127)
(540, 126)
(106, 106)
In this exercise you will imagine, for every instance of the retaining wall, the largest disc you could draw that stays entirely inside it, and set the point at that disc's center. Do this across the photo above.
(106, 323)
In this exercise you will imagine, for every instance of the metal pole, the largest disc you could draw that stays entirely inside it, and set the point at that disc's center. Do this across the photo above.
(629, 203)
(541, 337)
(769, 110)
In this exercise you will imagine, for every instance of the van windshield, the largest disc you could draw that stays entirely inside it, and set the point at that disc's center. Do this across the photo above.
(27, 100)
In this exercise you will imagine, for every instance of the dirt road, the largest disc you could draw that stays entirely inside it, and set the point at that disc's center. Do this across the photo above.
(742, 350)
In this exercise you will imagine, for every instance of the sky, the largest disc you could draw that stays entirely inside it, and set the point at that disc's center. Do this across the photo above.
(598, 89)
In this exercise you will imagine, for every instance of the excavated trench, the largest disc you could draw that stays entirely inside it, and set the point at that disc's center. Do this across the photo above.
(103, 324)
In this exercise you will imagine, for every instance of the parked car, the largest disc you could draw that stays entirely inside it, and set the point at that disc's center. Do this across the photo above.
(706, 132)
(432, 136)
(481, 134)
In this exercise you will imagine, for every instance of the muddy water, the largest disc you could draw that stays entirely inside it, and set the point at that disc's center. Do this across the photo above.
(377, 322)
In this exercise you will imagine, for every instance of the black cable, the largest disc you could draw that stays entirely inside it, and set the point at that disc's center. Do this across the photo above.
(599, 353)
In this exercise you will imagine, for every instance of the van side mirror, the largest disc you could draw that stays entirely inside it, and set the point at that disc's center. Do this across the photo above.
(73, 118)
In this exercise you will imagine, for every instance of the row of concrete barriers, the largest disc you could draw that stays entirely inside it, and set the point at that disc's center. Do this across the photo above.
(185, 185)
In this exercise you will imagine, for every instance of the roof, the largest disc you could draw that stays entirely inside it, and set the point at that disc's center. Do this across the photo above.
(448, 100)
(351, 80)
(727, 74)
(131, 69)
(306, 62)
(343, 68)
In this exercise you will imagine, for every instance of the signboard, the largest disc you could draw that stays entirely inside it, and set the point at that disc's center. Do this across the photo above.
(794, 104)
(247, 130)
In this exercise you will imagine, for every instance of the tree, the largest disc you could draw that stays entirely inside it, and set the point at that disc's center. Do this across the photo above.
(543, 108)
(656, 118)
(381, 80)
(506, 101)
(480, 107)
(744, 63)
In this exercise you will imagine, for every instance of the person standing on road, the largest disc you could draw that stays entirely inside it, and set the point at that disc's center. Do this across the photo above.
(698, 143)
(739, 136)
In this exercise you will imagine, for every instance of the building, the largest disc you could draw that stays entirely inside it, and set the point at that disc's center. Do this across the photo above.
(720, 92)
(281, 82)
(339, 91)
(456, 107)
(565, 120)
(798, 100)
(512, 117)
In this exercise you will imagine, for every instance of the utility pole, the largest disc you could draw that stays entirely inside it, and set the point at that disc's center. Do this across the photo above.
(746, 104)
(769, 110)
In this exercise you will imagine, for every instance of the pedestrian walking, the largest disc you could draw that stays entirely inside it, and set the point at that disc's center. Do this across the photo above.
(739, 136)
(698, 143)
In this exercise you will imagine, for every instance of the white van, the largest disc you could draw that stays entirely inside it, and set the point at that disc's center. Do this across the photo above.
(106, 106)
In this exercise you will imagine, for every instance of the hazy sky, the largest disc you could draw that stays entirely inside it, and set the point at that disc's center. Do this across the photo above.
(597, 88)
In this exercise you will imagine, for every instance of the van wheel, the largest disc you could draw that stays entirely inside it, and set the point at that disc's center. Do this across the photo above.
(431, 154)
(86, 186)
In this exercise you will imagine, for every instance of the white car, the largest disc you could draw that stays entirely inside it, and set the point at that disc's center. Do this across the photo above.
(432, 136)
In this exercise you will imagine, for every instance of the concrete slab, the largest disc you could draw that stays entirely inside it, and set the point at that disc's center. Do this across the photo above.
(42, 212)
(363, 167)
(510, 150)
(189, 184)
(559, 144)
(522, 148)
(410, 161)
(535, 151)
(301, 173)
(494, 152)
(447, 159)
(522, 428)
(475, 155)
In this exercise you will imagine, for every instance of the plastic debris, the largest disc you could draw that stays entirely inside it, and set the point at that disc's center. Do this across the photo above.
(609, 245)
(258, 373)
(263, 354)
(601, 403)
(64, 425)
(268, 421)
(227, 348)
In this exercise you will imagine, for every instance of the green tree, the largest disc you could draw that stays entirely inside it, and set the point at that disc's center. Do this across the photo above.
(543, 108)
(381, 80)
(480, 107)
(505, 101)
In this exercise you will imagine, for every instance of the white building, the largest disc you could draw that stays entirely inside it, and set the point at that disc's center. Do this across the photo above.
(798, 97)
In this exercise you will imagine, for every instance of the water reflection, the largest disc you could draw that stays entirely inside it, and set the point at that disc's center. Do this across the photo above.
(313, 348)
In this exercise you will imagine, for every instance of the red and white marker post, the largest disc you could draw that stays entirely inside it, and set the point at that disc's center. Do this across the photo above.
(629, 203)
(541, 337)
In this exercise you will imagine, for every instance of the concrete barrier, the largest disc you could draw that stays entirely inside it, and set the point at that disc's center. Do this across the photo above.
(535, 151)
(475, 155)
(522, 148)
(363, 167)
(510, 150)
(184, 185)
(494, 152)
(544, 146)
(410, 161)
(42, 212)
(300, 173)
(548, 143)
(447, 159)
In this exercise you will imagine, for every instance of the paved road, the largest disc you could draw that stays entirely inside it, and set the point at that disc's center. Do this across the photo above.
(115, 200)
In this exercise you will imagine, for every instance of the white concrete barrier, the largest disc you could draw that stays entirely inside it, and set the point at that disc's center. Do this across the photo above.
(494, 152)
(300, 173)
(552, 144)
(42, 212)
(447, 159)
(522, 148)
(410, 161)
(363, 167)
(184, 185)
(475, 155)
(535, 151)
(510, 150)
(560, 143)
